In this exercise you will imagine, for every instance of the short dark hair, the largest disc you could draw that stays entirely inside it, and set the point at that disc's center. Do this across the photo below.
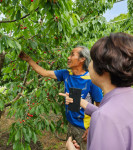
(86, 54)
(114, 54)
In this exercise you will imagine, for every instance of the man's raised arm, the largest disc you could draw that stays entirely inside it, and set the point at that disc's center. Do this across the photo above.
(37, 68)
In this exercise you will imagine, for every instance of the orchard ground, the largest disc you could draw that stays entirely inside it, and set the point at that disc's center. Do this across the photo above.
(48, 140)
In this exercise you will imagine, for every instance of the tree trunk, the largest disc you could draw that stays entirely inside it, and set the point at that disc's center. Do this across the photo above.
(2, 58)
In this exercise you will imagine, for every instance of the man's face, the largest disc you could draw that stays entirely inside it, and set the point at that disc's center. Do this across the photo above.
(73, 59)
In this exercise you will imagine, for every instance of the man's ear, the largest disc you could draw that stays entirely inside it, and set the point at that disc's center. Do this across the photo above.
(82, 59)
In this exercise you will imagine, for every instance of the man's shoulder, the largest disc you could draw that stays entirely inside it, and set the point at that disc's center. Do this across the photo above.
(61, 74)
(69, 71)
(86, 76)
(61, 71)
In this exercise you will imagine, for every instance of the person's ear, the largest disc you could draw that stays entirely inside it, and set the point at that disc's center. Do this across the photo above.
(82, 59)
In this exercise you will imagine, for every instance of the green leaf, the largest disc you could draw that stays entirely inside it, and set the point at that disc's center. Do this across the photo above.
(37, 110)
(1, 105)
(18, 15)
(27, 146)
(27, 138)
(38, 92)
(41, 109)
(13, 15)
(17, 136)
(59, 26)
(15, 2)
(25, 9)
(77, 16)
(24, 131)
(32, 30)
(1, 46)
(29, 132)
(32, 7)
(10, 43)
(71, 22)
(15, 145)
(39, 126)
(26, 34)
(34, 138)
(18, 45)
(32, 110)
(52, 127)
(18, 146)
(21, 146)
(59, 123)
(68, 39)
(33, 44)
(46, 122)
(26, 135)
(6, 1)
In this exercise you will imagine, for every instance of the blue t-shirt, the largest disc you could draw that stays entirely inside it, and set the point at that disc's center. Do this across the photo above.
(90, 92)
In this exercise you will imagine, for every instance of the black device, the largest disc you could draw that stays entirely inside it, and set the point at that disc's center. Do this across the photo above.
(75, 93)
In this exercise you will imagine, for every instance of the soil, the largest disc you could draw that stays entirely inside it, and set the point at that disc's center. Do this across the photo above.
(48, 140)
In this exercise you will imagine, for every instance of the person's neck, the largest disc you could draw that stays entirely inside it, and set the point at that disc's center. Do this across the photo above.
(108, 88)
(106, 84)
(78, 71)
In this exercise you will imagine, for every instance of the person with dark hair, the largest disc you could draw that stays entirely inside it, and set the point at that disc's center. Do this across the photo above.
(78, 77)
(111, 68)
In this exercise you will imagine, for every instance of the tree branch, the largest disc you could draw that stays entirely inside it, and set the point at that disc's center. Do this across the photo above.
(19, 94)
(25, 78)
(27, 83)
(6, 21)
(17, 97)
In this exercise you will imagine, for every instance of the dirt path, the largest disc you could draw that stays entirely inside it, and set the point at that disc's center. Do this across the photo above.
(48, 140)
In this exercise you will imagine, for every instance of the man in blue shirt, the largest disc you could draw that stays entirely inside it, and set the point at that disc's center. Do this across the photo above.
(76, 76)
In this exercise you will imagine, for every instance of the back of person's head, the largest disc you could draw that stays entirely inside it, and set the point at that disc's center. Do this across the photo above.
(114, 54)
(86, 54)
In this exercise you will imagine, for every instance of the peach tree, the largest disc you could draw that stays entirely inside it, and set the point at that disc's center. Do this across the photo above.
(46, 30)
